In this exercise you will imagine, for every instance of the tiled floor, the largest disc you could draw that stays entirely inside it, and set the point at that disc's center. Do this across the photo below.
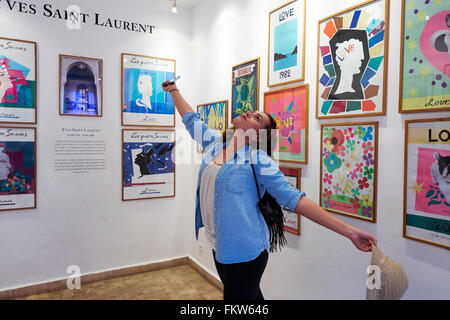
(178, 283)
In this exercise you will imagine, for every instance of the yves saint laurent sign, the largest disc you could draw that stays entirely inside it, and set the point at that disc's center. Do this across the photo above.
(74, 16)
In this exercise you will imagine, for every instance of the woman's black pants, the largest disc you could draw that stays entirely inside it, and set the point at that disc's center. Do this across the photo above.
(241, 280)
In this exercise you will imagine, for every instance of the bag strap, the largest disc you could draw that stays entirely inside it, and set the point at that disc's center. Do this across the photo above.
(256, 181)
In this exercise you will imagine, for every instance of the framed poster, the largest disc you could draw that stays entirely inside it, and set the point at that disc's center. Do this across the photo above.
(425, 57)
(287, 25)
(17, 168)
(348, 169)
(352, 62)
(144, 102)
(292, 219)
(245, 88)
(148, 164)
(289, 107)
(215, 115)
(427, 181)
(18, 76)
(80, 86)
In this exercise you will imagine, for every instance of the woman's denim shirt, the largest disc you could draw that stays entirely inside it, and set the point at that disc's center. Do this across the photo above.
(241, 232)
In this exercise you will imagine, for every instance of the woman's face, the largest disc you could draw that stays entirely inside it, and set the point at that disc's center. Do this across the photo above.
(252, 120)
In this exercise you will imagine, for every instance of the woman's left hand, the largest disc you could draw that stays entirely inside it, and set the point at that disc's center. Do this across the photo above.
(362, 240)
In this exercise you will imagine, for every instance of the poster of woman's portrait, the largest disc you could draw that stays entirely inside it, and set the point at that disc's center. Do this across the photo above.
(144, 103)
(17, 81)
(81, 86)
(352, 61)
(17, 168)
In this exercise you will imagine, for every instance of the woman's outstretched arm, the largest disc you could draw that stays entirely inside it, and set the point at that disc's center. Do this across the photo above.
(311, 210)
(180, 103)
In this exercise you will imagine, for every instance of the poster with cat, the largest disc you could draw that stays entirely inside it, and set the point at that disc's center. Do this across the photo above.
(427, 181)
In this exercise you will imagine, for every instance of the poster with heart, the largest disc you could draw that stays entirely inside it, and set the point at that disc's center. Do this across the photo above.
(289, 107)
(348, 169)
(427, 181)
(425, 65)
(352, 61)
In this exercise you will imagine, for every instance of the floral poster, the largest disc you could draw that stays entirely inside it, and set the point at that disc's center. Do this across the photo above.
(245, 88)
(427, 181)
(17, 81)
(349, 169)
(289, 107)
(425, 68)
(351, 61)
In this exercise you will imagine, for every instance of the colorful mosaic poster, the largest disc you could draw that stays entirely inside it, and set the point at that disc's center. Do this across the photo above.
(292, 219)
(17, 168)
(427, 181)
(148, 164)
(144, 102)
(17, 81)
(425, 67)
(289, 107)
(348, 171)
(245, 88)
(351, 62)
(287, 44)
(215, 116)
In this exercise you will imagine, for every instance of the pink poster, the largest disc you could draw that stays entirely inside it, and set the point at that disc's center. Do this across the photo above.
(434, 194)
(289, 107)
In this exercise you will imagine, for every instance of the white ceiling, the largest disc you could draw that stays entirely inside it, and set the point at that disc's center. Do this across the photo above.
(181, 3)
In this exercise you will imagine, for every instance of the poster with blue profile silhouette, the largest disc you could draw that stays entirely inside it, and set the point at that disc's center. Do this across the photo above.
(287, 44)
(148, 164)
(144, 103)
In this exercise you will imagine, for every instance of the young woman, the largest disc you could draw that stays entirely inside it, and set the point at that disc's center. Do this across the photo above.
(227, 199)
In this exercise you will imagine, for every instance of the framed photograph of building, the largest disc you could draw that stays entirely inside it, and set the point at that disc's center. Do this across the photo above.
(427, 181)
(148, 164)
(215, 115)
(80, 86)
(292, 219)
(290, 108)
(144, 102)
(348, 169)
(352, 62)
(17, 168)
(18, 81)
(425, 57)
(287, 25)
(245, 88)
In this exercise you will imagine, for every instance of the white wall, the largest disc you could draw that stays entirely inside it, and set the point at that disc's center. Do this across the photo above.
(80, 219)
(318, 264)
